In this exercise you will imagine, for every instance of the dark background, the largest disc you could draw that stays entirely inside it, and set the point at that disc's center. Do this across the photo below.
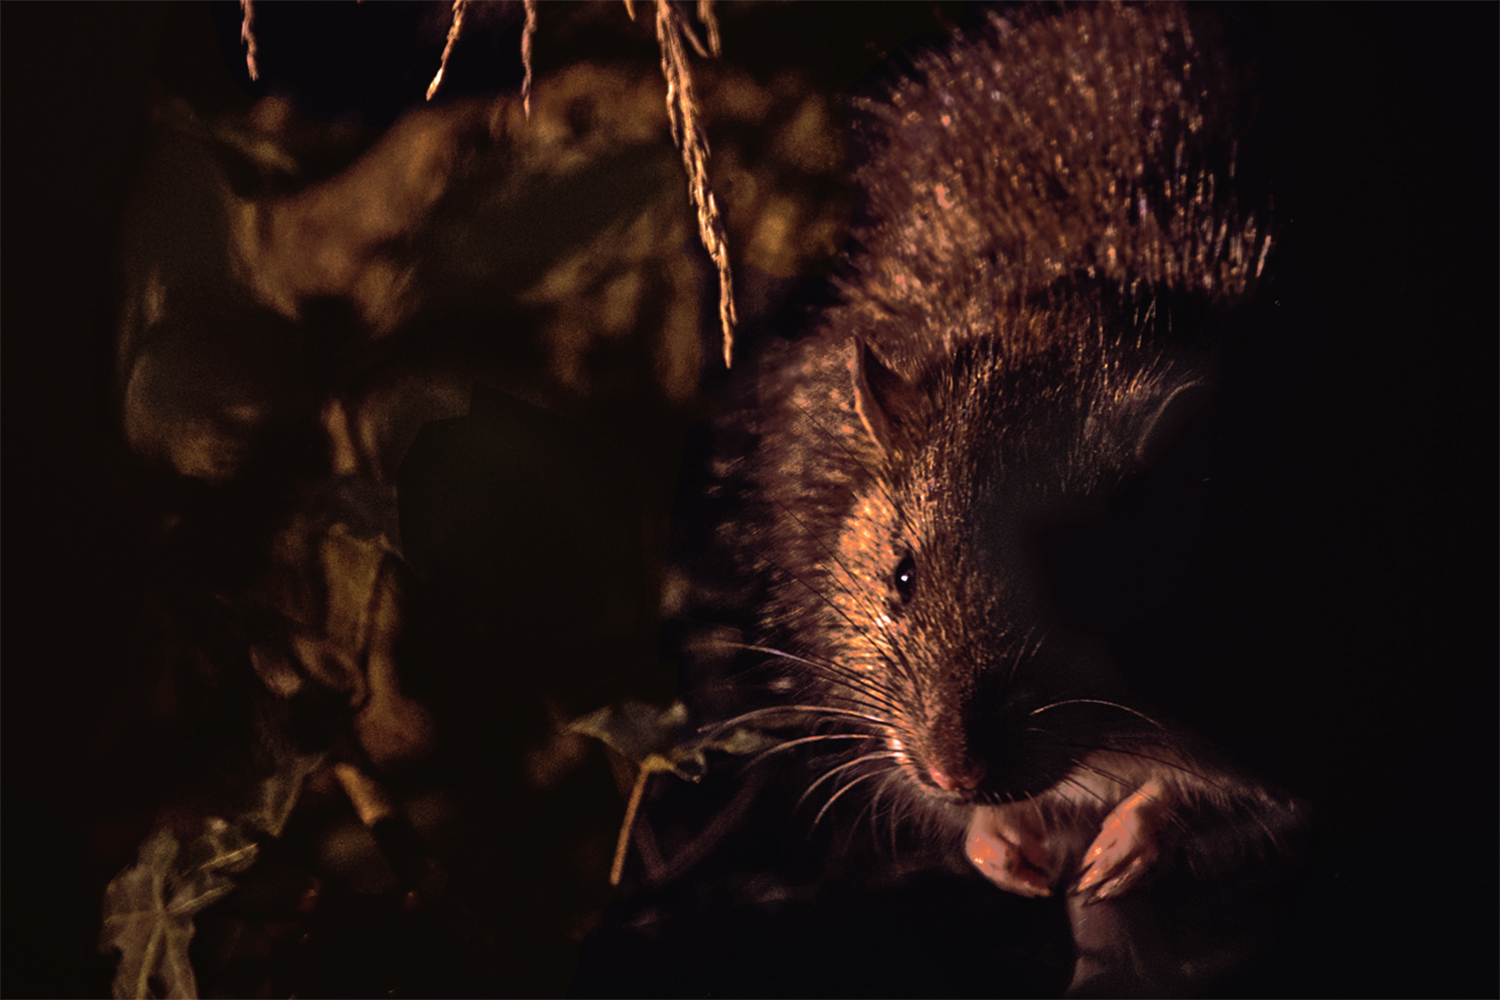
(1357, 519)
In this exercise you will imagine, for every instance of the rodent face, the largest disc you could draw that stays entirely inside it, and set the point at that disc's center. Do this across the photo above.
(935, 624)
(899, 648)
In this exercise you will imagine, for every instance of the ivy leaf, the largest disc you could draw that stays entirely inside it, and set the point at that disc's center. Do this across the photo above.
(148, 917)
(648, 736)
(644, 733)
(740, 741)
(149, 907)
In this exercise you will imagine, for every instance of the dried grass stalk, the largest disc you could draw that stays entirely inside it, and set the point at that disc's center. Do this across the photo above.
(453, 32)
(710, 24)
(247, 35)
(527, 33)
(687, 133)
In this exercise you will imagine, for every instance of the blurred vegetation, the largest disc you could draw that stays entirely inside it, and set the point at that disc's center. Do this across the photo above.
(403, 390)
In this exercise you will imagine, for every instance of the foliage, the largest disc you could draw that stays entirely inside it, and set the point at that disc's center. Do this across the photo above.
(648, 736)
(149, 908)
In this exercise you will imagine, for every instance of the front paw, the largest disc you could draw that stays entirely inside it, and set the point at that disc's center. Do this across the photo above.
(1126, 845)
(1008, 844)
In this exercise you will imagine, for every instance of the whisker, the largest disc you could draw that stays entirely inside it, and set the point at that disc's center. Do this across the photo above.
(1097, 701)
(886, 695)
(882, 631)
(1172, 815)
(839, 794)
(899, 667)
(863, 689)
(806, 739)
(1172, 763)
(718, 728)
(862, 759)
(1070, 780)
(772, 651)
(786, 508)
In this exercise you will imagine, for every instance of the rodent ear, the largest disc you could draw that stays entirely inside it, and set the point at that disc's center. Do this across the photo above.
(879, 393)
(1182, 413)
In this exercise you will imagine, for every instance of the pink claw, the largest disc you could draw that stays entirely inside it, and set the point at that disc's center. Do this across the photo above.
(1126, 844)
(1008, 846)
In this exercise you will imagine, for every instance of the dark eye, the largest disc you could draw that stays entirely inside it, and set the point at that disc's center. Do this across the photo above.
(905, 580)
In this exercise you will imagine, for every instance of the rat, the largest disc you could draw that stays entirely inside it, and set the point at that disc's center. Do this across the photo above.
(991, 443)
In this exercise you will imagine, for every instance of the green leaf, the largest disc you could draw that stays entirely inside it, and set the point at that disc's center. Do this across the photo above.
(151, 924)
(635, 729)
(149, 907)
(648, 735)
(741, 741)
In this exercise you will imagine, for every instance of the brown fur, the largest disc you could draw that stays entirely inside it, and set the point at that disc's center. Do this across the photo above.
(1053, 240)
